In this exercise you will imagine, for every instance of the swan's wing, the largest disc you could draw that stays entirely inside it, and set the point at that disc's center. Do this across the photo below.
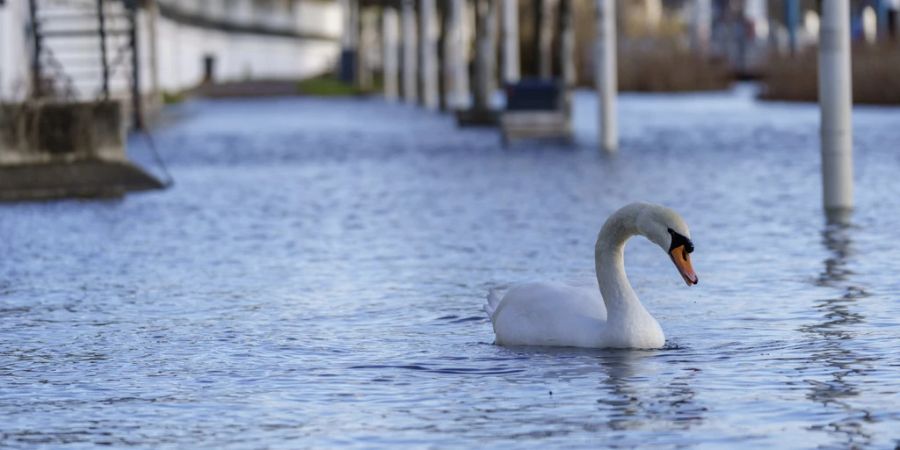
(493, 301)
(549, 314)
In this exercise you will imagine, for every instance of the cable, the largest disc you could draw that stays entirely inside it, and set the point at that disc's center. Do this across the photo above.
(168, 180)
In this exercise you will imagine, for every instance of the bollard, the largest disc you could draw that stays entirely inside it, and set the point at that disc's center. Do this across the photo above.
(389, 53)
(455, 49)
(605, 70)
(428, 55)
(835, 106)
(511, 41)
(410, 94)
(701, 24)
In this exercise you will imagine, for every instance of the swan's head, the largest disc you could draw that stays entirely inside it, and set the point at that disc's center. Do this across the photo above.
(667, 229)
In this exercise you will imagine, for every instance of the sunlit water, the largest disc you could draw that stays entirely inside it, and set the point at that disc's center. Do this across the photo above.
(316, 279)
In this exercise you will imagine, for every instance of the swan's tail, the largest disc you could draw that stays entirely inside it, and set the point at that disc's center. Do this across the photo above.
(493, 301)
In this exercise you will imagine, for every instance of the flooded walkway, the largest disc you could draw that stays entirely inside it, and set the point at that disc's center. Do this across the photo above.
(316, 277)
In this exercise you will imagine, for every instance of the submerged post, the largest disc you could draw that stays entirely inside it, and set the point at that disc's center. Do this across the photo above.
(409, 52)
(701, 22)
(485, 56)
(835, 105)
(510, 41)
(455, 53)
(429, 54)
(605, 70)
(389, 53)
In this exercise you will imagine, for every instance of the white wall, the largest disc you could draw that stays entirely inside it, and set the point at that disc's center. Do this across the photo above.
(14, 70)
(182, 47)
(238, 56)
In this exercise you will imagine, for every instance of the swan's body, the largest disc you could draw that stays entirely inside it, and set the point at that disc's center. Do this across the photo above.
(551, 314)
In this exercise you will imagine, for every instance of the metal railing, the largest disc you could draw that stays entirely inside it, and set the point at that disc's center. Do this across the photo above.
(86, 50)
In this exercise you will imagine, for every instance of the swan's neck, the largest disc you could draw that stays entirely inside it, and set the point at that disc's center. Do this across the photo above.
(621, 302)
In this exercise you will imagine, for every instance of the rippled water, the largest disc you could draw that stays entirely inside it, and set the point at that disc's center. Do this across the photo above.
(316, 279)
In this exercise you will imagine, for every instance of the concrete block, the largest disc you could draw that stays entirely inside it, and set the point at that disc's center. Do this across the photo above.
(55, 149)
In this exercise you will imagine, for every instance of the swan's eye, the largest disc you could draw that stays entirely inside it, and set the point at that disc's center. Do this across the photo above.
(679, 240)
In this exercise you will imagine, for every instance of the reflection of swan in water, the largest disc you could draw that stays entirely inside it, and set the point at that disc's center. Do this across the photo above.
(638, 404)
(832, 341)
(627, 399)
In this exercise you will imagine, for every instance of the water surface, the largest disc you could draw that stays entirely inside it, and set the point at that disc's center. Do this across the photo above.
(316, 279)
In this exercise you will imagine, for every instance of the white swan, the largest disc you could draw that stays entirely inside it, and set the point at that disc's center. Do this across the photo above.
(550, 314)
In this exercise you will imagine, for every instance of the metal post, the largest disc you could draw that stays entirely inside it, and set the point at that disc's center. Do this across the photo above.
(153, 20)
(428, 51)
(605, 69)
(136, 103)
(455, 51)
(390, 53)
(36, 88)
(511, 71)
(408, 19)
(101, 21)
(835, 104)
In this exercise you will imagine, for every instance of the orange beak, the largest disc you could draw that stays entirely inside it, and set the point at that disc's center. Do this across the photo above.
(682, 260)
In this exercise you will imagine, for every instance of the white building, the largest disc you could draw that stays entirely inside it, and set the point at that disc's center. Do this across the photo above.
(177, 41)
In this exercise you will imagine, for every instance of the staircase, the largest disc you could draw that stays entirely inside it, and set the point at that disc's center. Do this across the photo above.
(85, 50)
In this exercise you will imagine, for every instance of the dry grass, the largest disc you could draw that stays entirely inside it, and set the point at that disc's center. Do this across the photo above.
(876, 76)
(661, 65)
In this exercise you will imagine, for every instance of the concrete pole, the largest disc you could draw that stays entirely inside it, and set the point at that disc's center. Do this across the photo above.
(153, 53)
(410, 94)
(389, 52)
(605, 70)
(701, 25)
(455, 53)
(428, 51)
(485, 54)
(493, 37)
(511, 71)
(368, 24)
(835, 105)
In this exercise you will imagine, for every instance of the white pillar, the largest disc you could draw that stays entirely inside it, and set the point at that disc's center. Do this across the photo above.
(390, 52)
(365, 49)
(485, 52)
(605, 70)
(511, 41)
(455, 53)
(428, 50)
(701, 25)
(410, 94)
(835, 104)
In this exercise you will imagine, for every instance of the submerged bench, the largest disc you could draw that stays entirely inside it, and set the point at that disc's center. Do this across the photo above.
(535, 109)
